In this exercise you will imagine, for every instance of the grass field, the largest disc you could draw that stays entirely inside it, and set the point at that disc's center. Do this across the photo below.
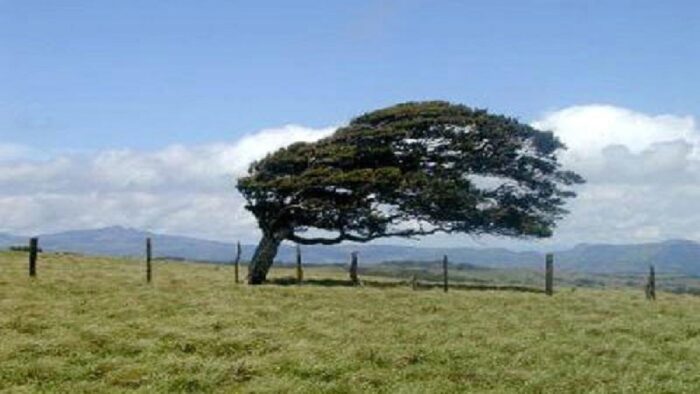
(93, 325)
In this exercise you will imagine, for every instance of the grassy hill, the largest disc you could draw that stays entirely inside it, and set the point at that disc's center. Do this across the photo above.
(93, 325)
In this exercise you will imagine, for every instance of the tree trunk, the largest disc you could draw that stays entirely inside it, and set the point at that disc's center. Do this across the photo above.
(263, 257)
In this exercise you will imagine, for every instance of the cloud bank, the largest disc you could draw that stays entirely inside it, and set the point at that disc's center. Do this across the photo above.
(188, 190)
(643, 175)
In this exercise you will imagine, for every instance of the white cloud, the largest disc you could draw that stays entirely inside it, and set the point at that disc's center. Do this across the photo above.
(587, 130)
(643, 175)
(178, 189)
(13, 152)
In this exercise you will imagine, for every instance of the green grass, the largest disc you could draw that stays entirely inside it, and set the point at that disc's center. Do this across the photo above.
(93, 325)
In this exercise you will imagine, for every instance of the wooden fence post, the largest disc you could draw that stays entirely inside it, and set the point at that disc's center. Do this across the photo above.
(33, 252)
(549, 275)
(444, 272)
(149, 251)
(300, 270)
(237, 261)
(414, 282)
(651, 284)
(353, 269)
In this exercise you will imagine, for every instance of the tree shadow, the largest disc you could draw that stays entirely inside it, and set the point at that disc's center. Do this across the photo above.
(465, 286)
(291, 281)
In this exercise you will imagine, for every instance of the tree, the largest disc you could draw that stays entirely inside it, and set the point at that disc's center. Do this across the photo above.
(409, 170)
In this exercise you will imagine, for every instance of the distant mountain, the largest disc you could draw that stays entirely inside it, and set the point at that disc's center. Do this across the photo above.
(7, 240)
(120, 241)
(678, 256)
(675, 256)
(382, 253)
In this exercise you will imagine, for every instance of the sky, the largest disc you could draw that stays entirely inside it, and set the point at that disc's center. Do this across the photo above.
(142, 113)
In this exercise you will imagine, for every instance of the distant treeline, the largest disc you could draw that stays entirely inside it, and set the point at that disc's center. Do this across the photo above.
(22, 248)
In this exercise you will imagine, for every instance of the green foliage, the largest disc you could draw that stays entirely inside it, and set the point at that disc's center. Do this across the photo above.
(87, 325)
(412, 169)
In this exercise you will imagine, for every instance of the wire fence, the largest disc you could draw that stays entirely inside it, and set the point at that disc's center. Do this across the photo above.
(418, 275)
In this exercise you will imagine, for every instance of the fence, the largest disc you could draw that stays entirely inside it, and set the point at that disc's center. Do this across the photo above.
(354, 273)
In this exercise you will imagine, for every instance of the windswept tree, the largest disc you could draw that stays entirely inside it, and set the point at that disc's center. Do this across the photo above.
(409, 170)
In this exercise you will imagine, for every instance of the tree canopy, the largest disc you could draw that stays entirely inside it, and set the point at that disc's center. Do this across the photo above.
(412, 169)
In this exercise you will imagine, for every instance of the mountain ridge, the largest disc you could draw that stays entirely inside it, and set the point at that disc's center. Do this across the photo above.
(670, 256)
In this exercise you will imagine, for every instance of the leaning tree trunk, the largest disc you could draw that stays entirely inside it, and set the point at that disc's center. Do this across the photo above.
(263, 257)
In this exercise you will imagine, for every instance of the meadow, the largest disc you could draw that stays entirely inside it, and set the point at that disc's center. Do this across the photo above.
(89, 324)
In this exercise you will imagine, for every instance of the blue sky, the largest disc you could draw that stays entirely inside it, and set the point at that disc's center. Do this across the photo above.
(143, 113)
(85, 75)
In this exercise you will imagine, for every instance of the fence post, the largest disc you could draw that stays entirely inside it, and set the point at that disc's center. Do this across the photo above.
(444, 272)
(300, 270)
(651, 284)
(148, 259)
(414, 282)
(353, 269)
(549, 275)
(237, 261)
(33, 251)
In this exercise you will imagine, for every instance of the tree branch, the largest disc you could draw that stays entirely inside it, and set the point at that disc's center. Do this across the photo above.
(343, 236)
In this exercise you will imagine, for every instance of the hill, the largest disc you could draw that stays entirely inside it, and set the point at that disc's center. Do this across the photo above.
(122, 242)
(681, 257)
(674, 256)
(7, 240)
